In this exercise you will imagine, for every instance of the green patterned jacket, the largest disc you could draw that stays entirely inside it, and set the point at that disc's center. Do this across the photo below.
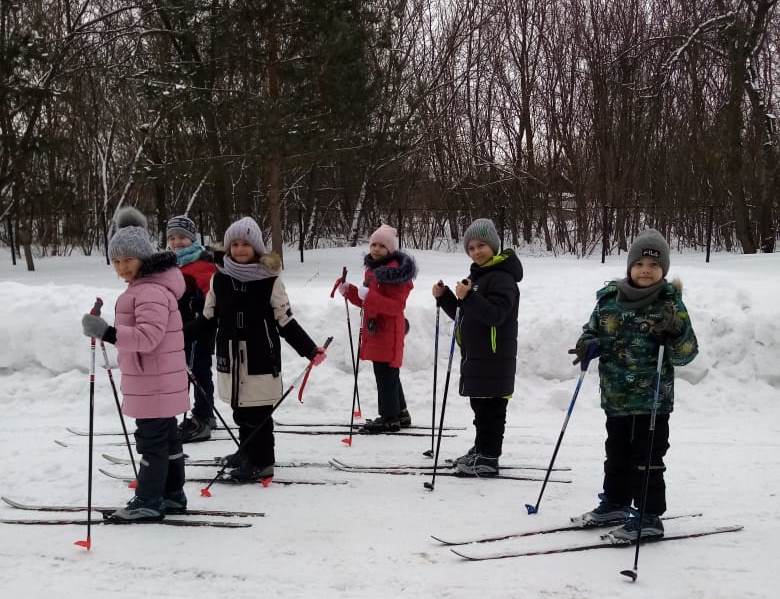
(629, 353)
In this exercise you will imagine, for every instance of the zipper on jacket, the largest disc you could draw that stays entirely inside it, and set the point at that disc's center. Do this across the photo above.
(271, 348)
(493, 339)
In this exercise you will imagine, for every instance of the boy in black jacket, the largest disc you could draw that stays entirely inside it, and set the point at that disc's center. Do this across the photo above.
(486, 305)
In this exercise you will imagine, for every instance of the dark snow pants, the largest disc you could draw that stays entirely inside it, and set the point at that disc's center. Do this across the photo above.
(390, 392)
(199, 359)
(490, 421)
(161, 470)
(624, 469)
(260, 448)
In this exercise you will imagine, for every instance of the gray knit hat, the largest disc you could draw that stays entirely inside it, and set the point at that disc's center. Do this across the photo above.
(130, 238)
(652, 244)
(182, 225)
(484, 230)
(248, 230)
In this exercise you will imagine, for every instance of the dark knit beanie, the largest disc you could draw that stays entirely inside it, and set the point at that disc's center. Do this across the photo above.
(182, 225)
(649, 243)
(484, 230)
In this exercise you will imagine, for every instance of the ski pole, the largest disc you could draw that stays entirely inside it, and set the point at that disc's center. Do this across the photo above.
(633, 573)
(430, 485)
(429, 453)
(355, 394)
(87, 543)
(205, 491)
(591, 353)
(134, 484)
(199, 387)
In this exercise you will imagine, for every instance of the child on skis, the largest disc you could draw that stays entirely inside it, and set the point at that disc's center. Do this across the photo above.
(198, 267)
(632, 318)
(148, 336)
(250, 304)
(486, 304)
(387, 283)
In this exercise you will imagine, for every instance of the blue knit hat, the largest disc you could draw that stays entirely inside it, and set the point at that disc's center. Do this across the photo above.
(131, 238)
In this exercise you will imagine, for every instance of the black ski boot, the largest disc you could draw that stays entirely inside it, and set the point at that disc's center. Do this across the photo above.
(478, 465)
(193, 430)
(405, 419)
(176, 503)
(141, 510)
(381, 425)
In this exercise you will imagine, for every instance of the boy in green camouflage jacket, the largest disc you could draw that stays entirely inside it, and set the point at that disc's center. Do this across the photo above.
(632, 318)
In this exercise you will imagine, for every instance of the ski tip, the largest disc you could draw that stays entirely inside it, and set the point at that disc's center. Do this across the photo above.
(266, 482)
(86, 544)
(347, 441)
(532, 509)
(204, 492)
(357, 414)
(630, 574)
(133, 484)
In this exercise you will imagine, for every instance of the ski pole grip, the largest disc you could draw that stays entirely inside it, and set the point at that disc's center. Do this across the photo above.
(328, 341)
(339, 281)
(95, 311)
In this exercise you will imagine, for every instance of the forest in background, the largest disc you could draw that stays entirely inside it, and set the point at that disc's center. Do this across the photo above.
(572, 123)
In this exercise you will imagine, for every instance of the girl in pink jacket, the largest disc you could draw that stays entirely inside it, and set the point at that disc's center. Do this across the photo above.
(148, 335)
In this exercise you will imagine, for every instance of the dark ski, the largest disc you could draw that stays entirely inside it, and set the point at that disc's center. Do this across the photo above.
(430, 466)
(104, 509)
(482, 556)
(346, 425)
(539, 531)
(338, 466)
(277, 481)
(217, 462)
(165, 522)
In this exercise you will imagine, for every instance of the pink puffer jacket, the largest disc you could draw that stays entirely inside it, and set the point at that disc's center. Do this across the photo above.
(150, 345)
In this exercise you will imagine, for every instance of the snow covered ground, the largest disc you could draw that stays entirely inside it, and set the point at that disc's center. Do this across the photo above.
(370, 537)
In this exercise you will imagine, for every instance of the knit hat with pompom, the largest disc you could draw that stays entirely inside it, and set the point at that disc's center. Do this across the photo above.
(131, 237)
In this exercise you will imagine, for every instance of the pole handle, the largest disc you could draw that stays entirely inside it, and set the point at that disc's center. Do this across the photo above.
(95, 311)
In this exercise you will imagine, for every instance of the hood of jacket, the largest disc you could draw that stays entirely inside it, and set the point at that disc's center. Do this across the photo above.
(161, 268)
(506, 261)
(393, 269)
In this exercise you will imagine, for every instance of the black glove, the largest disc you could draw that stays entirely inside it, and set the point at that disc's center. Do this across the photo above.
(585, 350)
(669, 327)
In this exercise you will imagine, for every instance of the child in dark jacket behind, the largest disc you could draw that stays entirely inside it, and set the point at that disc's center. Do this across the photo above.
(198, 267)
(486, 304)
(632, 318)
(382, 296)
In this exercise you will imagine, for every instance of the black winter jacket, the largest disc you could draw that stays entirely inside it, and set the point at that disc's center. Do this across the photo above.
(487, 327)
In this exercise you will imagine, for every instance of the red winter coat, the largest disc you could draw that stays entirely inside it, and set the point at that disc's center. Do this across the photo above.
(202, 271)
(383, 328)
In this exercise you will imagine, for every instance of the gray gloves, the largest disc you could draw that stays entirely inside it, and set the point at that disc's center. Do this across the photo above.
(94, 326)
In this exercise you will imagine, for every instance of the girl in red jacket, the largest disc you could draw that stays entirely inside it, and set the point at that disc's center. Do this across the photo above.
(382, 296)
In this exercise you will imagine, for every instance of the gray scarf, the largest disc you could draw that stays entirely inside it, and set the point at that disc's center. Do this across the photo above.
(636, 298)
(246, 272)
